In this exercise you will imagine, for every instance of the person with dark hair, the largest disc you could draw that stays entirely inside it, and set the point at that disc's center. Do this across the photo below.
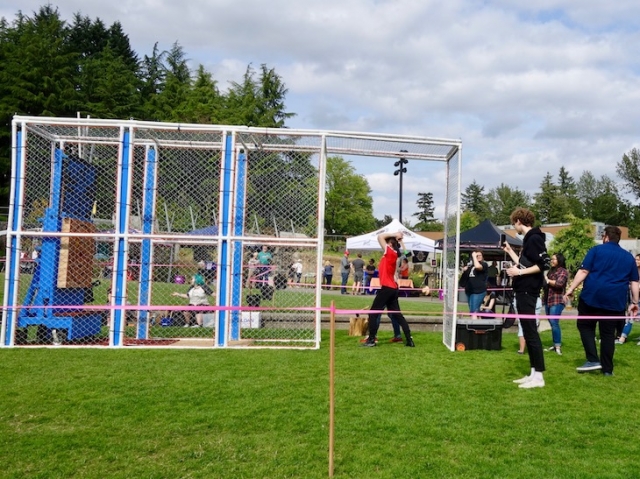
(608, 273)
(556, 282)
(488, 304)
(387, 295)
(358, 274)
(369, 272)
(527, 276)
(476, 285)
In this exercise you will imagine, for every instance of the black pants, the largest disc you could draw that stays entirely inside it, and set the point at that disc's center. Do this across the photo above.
(387, 298)
(526, 304)
(607, 327)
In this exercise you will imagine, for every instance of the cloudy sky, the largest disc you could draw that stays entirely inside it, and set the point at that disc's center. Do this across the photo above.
(527, 86)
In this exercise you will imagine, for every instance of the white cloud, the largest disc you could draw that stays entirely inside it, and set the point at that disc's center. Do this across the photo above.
(528, 87)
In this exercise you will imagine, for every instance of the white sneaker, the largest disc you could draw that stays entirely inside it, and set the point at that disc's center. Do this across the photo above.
(185, 326)
(523, 380)
(533, 383)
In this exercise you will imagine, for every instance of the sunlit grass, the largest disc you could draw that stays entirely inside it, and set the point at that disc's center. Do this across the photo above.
(400, 412)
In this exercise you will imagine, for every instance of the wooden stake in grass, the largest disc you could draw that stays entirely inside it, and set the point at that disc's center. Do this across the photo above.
(332, 363)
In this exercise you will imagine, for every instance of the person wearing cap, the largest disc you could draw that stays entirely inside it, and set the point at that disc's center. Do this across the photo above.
(345, 269)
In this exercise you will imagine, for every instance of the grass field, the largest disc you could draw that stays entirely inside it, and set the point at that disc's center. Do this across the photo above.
(400, 413)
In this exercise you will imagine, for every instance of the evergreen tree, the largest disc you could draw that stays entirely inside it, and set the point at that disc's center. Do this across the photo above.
(242, 101)
(586, 191)
(41, 65)
(153, 78)
(549, 205)
(36, 75)
(121, 46)
(204, 102)
(109, 87)
(569, 192)
(171, 103)
(425, 208)
(87, 37)
(257, 102)
(473, 199)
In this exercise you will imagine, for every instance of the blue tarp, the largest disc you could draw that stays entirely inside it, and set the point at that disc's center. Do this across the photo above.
(206, 231)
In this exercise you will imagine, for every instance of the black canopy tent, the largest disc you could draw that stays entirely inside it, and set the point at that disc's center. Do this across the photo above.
(484, 237)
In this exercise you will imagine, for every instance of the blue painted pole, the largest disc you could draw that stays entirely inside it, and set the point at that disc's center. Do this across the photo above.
(238, 230)
(223, 270)
(146, 250)
(121, 259)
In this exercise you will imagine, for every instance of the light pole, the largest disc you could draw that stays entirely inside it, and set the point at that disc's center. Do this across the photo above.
(399, 172)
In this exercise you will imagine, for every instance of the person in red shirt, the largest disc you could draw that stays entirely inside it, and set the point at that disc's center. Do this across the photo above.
(387, 295)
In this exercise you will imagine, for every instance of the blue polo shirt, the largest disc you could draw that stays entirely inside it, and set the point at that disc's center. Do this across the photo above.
(610, 270)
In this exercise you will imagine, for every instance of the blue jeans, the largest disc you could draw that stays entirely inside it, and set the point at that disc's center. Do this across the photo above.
(475, 301)
(394, 323)
(627, 329)
(556, 333)
(345, 278)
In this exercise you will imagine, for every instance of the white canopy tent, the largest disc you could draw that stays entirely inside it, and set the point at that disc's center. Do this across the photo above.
(412, 241)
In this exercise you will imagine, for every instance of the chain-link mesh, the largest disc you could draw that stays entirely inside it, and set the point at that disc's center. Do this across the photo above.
(450, 252)
(133, 233)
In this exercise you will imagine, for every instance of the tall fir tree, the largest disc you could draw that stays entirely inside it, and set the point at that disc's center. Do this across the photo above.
(474, 200)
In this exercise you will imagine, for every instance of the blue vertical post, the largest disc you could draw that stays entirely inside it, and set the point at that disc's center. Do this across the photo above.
(121, 259)
(146, 250)
(12, 266)
(223, 270)
(50, 247)
(238, 230)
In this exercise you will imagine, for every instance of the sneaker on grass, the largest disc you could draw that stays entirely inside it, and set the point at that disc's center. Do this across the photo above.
(533, 383)
(523, 380)
(589, 366)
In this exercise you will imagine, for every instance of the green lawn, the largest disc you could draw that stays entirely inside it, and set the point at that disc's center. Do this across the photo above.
(400, 413)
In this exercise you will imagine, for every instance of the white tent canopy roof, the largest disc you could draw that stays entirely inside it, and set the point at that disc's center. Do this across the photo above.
(412, 241)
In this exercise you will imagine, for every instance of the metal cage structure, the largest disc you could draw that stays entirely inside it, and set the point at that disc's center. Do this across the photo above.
(111, 220)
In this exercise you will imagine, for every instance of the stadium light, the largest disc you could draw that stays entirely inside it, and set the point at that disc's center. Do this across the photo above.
(399, 172)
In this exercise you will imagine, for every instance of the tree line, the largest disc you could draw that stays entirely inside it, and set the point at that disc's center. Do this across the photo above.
(562, 199)
(51, 67)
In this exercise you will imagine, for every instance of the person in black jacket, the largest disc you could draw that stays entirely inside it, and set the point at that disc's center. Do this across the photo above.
(527, 278)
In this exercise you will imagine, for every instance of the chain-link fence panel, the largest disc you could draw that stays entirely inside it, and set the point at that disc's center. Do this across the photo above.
(451, 250)
(134, 233)
(62, 180)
